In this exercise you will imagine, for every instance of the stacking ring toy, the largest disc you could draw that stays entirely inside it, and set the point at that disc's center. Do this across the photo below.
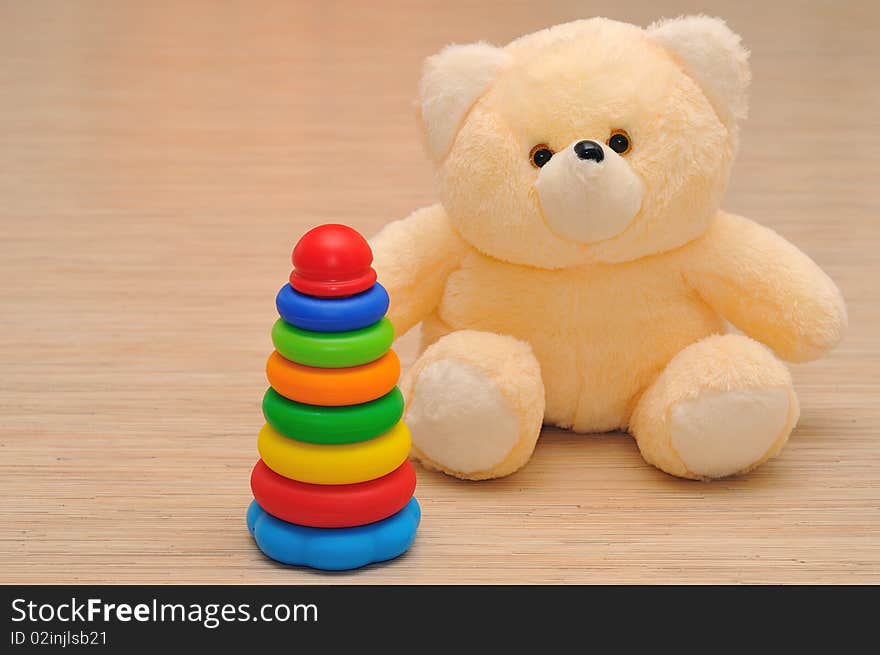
(332, 349)
(332, 314)
(333, 505)
(342, 464)
(332, 425)
(333, 386)
(334, 549)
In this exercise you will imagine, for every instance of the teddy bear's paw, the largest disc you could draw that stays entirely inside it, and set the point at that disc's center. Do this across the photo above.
(459, 419)
(475, 405)
(719, 433)
(722, 406)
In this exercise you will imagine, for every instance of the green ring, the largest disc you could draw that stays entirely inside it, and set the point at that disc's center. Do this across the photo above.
(332, 349)
(332, 425)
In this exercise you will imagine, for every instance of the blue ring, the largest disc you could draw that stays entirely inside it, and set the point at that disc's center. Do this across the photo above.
(334, 549)
(332, 314)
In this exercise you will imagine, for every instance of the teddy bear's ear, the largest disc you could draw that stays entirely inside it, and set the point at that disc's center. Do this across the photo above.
(452, 80)
(711, 53)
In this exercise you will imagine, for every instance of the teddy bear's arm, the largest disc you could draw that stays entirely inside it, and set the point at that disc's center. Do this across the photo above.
(413, 257)
(767, 288)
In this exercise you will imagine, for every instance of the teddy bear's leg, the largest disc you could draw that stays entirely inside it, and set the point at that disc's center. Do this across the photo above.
(475, 404)
(722, 406)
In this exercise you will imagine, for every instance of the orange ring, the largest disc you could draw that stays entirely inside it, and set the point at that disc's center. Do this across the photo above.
(333, 387)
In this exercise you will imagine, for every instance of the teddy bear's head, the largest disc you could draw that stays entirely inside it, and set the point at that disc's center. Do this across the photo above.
(590, 141)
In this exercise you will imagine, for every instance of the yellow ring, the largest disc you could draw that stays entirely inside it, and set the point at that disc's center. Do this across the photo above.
(334, 464)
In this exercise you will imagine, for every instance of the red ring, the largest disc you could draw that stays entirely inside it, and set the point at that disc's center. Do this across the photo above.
(332, 288)
(333, 505)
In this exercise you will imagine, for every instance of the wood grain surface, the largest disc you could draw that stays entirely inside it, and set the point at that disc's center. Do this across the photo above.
(159, 159)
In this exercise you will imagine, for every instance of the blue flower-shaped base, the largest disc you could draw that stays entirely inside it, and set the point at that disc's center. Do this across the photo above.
(334, 549)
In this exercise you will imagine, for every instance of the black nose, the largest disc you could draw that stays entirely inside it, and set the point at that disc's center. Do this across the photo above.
(589, 150)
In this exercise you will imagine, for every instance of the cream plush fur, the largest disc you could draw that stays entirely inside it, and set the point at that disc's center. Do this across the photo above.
(591, 293)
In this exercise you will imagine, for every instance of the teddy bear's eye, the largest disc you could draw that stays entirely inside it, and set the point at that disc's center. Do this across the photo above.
(540, 155)
(620, 142)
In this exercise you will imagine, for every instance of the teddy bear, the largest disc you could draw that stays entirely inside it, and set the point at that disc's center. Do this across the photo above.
(579, 271)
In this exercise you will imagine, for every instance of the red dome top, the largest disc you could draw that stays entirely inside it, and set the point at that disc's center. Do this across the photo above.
(331, 261)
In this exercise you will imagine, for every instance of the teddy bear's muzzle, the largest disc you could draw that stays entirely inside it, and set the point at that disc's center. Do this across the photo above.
(588, 192)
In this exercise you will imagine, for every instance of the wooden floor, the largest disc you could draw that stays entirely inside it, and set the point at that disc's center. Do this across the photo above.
(159, 160)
